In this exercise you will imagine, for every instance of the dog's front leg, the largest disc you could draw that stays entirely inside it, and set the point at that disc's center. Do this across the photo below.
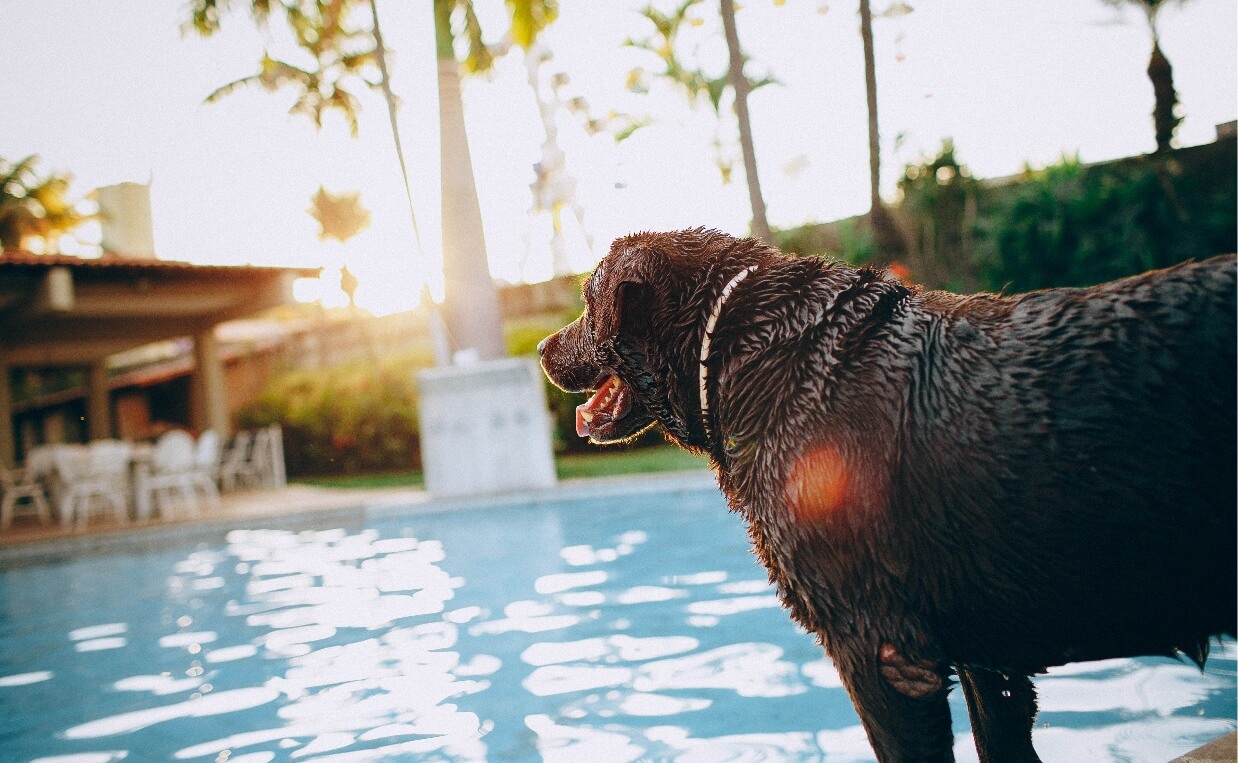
(902, 703)
(1002, 710)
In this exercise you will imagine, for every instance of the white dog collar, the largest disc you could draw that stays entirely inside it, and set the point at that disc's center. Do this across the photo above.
(709, 335)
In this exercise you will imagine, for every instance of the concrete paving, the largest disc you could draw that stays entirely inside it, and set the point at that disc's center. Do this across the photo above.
(242, 505)
(249, 508)
(1223, 750)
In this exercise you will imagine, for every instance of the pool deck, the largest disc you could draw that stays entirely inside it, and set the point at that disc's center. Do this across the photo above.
(1223, 750)
(26, 538)
(309, 505)
(243, 505)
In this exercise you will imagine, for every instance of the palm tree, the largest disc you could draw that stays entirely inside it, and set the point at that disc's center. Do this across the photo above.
(340, 216)
(889, 240)
(1160, 72)
(695, 84)
(33, 207)
(472, 307)
(342, 53)
(739, 84)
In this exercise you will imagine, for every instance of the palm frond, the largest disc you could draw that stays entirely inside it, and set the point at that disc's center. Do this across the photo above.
(218, 93)
(478, 57)
(529, 18)
(204, 17)
(19, 172)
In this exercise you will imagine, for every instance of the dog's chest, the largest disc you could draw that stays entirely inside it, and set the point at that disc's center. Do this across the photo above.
(819, 533)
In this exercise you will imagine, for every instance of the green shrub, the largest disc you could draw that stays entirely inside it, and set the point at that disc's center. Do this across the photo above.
(1069, 224)
(361, 417)
(351, 419)
(850, 240)
(938, 204)
(1076, 225)
(522, 339)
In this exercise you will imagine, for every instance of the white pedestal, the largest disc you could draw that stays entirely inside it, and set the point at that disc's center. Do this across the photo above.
(485, 428)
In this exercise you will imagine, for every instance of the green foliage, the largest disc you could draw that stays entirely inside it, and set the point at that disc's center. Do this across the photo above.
(340, 216)
(850, 240)
(361, 417)
(342, 53)
(522, 339)
(938, 204)
(857, 244)
(936, 183)
(529, 18)
(350, 419)
(33, 206)
(1069, 224)
(1075, 225)
(678, 61)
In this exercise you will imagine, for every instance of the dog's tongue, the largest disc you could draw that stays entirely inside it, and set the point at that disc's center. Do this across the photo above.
(597, 404)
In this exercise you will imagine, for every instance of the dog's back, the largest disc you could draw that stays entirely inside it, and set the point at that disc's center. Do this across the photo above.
(1085, 438)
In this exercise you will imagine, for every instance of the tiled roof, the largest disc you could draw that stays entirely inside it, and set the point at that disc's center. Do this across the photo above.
(108, 260)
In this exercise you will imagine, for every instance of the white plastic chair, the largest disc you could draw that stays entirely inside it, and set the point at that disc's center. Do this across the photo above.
(40, 469)
(45, 461)
(254, 459)
(102, 475)
(172, 470)
(205, 464)
(237, 467)
(40, 463)
(18, 485)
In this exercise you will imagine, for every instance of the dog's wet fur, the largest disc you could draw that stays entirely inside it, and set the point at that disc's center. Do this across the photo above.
(939, 485)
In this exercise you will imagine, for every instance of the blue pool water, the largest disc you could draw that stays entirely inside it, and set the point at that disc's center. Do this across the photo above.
(635, 626)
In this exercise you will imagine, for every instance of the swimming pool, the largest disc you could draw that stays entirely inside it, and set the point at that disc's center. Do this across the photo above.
(629, 626)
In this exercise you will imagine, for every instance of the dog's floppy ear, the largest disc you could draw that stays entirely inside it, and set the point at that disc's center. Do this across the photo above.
(627, 308)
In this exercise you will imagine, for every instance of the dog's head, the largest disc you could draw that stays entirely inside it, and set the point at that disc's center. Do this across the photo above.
(637, 344)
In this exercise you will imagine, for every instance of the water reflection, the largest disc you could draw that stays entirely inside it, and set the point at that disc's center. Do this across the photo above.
(546, 634)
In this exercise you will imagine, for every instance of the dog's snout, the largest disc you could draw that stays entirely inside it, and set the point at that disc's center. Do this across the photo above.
(541, 346)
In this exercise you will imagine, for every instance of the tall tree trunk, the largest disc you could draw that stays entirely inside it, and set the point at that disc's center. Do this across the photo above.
(438, 331)
(739, 82)
(1163, 117)
(889, 239)
(471, 304)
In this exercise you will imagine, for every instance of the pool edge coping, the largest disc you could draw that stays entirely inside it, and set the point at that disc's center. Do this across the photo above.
(353, 510)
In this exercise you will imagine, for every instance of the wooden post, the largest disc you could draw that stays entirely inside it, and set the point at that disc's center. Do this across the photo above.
(210, 399)
(8, 450)
(98, 406)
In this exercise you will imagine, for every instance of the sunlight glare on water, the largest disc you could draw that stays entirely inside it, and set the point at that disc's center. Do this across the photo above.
(622, 629)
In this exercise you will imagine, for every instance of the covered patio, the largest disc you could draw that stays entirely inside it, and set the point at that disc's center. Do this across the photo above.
(70, 312)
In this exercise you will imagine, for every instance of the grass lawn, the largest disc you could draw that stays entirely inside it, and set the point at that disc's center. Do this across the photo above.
(607, 462)
(604, 462)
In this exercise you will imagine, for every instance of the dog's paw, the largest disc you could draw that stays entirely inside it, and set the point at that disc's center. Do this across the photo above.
(917, 679)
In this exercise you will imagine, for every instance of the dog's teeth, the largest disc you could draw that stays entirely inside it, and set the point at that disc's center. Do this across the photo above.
(587, 416)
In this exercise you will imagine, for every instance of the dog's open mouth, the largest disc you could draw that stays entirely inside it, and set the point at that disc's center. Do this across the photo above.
(599, 414)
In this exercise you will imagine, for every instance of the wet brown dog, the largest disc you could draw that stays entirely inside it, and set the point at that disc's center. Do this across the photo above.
(938, 484)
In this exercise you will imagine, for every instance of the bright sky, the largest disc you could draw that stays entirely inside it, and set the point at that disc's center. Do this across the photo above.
(113, 92)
